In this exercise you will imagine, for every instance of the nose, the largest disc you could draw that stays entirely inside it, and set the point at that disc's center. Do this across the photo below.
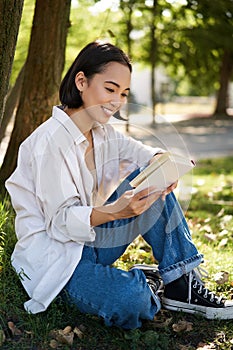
(117, 101)
(116, 104)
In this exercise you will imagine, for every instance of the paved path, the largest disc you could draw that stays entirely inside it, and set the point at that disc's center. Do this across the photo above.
(201, 137)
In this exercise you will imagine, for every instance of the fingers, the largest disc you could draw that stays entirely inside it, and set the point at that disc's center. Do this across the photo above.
(130, 204)
(173, 186)
(145, 193)
(147, 197)
(169, 190)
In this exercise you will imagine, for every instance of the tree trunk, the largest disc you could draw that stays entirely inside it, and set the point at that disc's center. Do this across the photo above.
(12, 102)
(222, 95)
(43, 70)
(10, 16)
(127, 9)
(153, 47)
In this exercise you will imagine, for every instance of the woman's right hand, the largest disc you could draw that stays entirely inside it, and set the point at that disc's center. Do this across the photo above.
(126, 206)
(130, 204)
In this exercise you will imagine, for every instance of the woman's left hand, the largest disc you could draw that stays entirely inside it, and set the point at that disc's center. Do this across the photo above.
(169, 190)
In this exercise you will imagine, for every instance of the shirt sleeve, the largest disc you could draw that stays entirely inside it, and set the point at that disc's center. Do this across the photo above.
(133, 153)
(66, 217)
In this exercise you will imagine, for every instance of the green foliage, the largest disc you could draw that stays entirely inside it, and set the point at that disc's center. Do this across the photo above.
(220, 166)
(190, 36)
(196, 36)
(23, 38)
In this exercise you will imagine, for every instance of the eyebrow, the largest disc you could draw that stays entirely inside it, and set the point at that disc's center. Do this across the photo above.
(114, 83)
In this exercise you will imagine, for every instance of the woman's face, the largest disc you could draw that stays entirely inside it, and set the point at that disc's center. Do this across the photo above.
(105, 92)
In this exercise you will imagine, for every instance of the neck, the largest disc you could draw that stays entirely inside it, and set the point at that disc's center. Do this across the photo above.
(81, 120)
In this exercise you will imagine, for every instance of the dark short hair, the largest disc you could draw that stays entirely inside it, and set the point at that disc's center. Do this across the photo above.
(91, 60)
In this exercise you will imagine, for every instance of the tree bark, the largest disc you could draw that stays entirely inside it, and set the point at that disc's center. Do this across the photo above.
(10, 16)
(153, 48)
(43, 70)
(12, 102)
(127, 9)
(222, 95)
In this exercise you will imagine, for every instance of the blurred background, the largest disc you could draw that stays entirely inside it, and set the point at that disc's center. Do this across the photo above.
(181, 51)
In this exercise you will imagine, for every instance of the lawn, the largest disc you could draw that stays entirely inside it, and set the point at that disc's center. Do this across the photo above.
(210, 218)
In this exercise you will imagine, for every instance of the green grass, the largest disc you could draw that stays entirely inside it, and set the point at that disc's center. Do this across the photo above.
(210, 217)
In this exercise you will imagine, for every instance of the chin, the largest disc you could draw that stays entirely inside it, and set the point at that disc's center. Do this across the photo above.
(103, 120)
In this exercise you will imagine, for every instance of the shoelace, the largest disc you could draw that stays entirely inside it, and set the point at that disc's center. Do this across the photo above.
(201, 289)
(155, 286)
(200, 273)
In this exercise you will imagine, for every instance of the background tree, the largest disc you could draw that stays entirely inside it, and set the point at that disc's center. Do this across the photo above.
(42, 75)
(12, 102)
(214, 25)
(153, 54)
(148, 48)
(10, 16)
(198, 42)
(226, 68)
(16, 78)
(191, 39)
(127, 8)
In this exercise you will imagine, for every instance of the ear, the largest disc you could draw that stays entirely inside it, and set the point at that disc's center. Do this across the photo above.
(80, 81)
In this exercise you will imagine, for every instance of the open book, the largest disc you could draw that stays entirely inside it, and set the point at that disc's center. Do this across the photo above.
(163, 172)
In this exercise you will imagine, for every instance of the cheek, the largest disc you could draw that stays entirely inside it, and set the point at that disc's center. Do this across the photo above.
(95, 96)
(100, 97)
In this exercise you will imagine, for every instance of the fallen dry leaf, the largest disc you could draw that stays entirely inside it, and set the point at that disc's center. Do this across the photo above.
(210, 236)
(184, 347)
(223, 242)
(204, 346)
(67, 329)
(14, 330)
(29, 333)
(207, 228)
(221, 277)
(78, 332)
(223, 233)
(61, 337)
(162, 319)
(182, 325)
(221, 212)
(161, 323)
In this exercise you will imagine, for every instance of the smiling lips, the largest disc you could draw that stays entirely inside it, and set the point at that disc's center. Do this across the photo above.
(108, 111)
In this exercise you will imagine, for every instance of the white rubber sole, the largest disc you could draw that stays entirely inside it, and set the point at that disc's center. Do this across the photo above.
(145, 267)
(211, 313)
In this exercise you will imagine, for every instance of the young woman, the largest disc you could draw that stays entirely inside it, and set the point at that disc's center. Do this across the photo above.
(74, 220)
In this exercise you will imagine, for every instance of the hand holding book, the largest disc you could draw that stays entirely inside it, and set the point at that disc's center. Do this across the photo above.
(162, 172)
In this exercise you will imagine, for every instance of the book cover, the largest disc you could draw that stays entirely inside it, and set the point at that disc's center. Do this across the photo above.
(162, 172)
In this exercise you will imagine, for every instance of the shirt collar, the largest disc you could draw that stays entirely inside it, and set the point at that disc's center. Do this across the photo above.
(69, 125)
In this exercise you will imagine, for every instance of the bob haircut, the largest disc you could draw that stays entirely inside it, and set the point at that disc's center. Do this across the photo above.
(91, 60)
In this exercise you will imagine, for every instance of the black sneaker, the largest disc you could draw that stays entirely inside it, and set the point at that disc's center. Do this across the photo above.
(153, 277)
(188, 294)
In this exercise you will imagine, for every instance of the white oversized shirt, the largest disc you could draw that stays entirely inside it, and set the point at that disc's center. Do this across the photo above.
(51, 191)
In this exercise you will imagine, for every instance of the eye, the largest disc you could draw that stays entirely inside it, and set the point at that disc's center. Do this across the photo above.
(124, 95)
(109, 89)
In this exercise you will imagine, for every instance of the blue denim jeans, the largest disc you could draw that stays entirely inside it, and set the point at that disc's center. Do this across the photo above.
(123, 298)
